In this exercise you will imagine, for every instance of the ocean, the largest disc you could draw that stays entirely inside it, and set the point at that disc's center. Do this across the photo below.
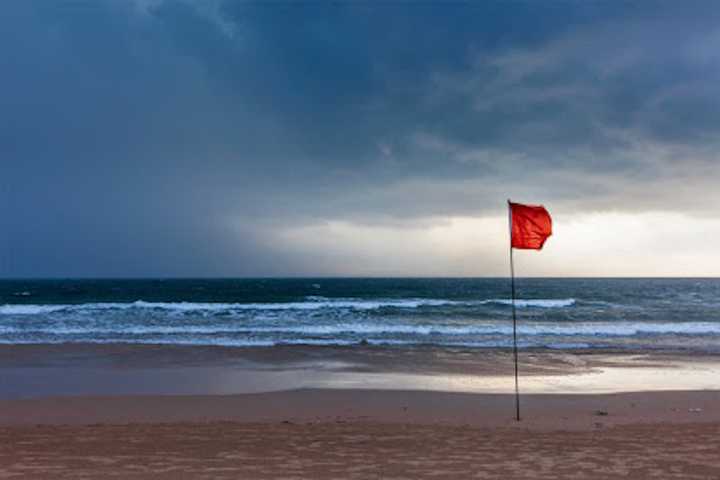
(561, 314)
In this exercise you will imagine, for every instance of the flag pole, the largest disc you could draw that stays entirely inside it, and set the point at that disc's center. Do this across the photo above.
(514, 318)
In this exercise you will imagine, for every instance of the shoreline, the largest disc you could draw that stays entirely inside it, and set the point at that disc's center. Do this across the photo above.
(33, 371)
(341, 431)
(42, 381)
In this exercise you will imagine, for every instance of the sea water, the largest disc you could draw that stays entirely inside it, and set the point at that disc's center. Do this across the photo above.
(468, 312)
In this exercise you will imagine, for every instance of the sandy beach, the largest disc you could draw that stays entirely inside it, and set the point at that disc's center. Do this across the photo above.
(396, 240)
(166, 430)
(350, 446)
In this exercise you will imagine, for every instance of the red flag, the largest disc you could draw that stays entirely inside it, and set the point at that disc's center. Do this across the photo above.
(530, 226)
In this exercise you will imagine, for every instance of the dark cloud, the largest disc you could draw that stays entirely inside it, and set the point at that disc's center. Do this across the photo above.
(178, 137)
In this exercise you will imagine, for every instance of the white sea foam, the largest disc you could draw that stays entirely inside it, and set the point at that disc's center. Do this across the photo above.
(18, 309)
(233, 342)
(619, 329)
(312, 303)
(245, 342)
(539, 302)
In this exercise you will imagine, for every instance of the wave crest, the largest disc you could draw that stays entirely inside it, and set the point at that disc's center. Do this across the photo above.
(311, 303)
(625, 329)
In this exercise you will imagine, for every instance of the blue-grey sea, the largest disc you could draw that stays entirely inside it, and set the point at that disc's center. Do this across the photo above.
(469, 313)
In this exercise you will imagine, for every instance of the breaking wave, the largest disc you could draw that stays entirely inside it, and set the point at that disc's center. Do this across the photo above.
(311, 303)
(495, 328)
(555, 313)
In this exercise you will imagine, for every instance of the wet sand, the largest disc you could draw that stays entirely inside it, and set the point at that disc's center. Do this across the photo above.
(28, 371)
(336, 432)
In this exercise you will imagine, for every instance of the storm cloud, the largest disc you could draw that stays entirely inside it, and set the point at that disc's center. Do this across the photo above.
(193, 138)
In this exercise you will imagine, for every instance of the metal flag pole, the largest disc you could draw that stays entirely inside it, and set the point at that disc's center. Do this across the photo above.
(514, 318)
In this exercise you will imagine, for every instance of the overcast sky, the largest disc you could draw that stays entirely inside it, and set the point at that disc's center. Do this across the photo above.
(226, 138)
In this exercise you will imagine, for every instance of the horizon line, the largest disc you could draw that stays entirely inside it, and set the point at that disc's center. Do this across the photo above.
(356, 277)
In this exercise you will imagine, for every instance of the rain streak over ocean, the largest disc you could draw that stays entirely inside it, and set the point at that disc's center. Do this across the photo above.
(469, 313)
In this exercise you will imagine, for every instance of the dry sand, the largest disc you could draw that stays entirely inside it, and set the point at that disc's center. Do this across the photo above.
(358, 451)
(363, 434)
